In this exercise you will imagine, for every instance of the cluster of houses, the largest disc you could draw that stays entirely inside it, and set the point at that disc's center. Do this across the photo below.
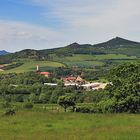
(73, 81)
(76, 81)
(80, 82)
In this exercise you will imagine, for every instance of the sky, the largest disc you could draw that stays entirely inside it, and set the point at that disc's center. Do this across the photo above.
(43, 24)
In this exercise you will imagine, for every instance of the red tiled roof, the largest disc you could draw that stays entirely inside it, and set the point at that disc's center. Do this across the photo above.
(71, 78)
(44, 73)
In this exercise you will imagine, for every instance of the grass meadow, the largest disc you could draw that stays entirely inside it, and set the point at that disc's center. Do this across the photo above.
(31, 66)
(80, 60)
(52, 125)
(80, 57)
(84, 64)
(90, 61)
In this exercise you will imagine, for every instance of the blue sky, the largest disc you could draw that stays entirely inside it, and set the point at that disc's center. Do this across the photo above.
(42, 24)
(25, 11)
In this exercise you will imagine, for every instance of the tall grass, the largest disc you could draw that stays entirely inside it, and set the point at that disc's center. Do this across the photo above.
(35, 125)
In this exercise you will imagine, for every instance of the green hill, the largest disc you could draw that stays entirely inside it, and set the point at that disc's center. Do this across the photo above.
(116, 45)
(107, 54)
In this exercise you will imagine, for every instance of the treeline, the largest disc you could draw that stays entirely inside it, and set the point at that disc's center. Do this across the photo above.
(28, 78)
(11, 66)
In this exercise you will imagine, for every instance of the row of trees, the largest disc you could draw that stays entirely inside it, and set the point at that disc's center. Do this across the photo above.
(28, 78)
(39, 93)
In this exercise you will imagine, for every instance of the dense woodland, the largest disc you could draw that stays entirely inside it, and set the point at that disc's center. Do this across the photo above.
(121, 95)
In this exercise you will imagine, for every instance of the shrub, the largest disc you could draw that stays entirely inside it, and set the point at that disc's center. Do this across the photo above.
(28, 105)
(93, 108)
(5, 104)
(87, 108)
(10, 112)
(83, 109)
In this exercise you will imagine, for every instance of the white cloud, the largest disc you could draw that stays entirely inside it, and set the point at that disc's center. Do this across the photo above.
(95, 20)
(19, 35)
(83, 21)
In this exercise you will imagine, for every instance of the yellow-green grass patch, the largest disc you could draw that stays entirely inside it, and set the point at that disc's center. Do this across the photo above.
(31, 66)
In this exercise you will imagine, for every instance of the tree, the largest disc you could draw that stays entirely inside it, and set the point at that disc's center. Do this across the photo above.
(56, 94)
(33, 98)
(125, 88)
(18, 98)
(44, 98)
(66, 101)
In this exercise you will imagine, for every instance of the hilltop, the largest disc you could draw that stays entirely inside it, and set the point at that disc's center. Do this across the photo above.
(117, 41)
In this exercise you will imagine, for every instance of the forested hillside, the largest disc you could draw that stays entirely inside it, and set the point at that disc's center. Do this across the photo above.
(100, 57)
(114, 46)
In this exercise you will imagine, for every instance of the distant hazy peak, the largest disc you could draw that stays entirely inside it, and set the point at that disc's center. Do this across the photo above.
(3, 52)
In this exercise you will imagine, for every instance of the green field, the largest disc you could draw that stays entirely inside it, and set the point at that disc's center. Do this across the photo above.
(80, 57)
(30, 65)
(80, 60)
(84, 64)
(34, 125)
(87, 61)
(90, 61)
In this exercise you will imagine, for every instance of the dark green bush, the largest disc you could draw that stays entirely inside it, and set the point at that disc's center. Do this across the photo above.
(5, 104)
(28, 105)
(10, 112)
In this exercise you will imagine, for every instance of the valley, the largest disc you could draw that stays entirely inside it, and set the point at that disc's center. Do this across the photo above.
(73, 92)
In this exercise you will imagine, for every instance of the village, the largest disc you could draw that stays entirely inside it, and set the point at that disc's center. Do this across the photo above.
(74, 81)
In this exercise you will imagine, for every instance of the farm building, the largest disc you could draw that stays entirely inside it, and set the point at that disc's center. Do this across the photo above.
(94, 86)
(80, 80)
(51, 84)
(46, 74)
(73, 81)
(68, 79)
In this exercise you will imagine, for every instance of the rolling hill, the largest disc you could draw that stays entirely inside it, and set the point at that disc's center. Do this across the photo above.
(114, 46)
(106, 54)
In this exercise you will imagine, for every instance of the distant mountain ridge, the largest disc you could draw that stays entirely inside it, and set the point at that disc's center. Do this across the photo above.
(116, 45)
(3, 52)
